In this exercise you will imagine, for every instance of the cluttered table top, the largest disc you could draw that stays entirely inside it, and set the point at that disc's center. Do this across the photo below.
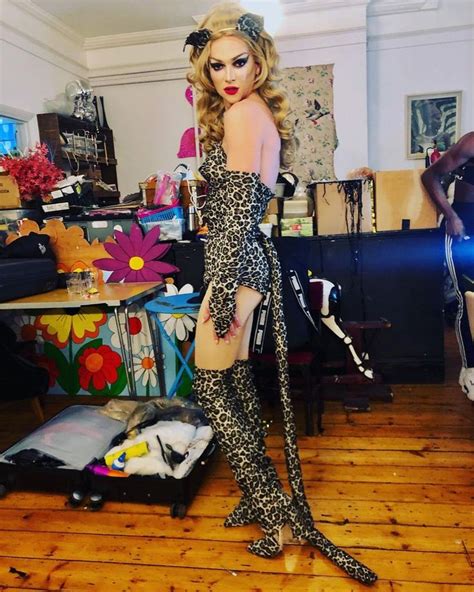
(109, 294)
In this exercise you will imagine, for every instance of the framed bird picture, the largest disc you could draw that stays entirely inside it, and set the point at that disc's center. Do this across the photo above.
(310, 90)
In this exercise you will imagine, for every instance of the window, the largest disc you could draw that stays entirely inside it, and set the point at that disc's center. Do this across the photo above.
(10, 135)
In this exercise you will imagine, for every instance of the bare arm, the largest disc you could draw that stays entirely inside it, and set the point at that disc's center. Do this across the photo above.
(456, 156)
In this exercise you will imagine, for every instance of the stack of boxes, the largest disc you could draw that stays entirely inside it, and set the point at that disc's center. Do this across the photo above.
(392, 200)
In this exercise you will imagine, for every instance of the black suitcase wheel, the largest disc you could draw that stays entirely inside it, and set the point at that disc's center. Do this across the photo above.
(96, 501)
(76, 498)
(3, 490)
(178, 510)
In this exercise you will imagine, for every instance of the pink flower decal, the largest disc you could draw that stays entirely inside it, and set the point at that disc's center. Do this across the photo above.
(134, 257)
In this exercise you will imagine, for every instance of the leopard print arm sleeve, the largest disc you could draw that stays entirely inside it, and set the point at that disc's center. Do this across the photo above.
(237, 207)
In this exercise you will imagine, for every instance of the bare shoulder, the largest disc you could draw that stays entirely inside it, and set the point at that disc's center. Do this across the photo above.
(244, 124)
(252, 118)
(245, 113)
(453, 158)
(463, 150)
(466, 144)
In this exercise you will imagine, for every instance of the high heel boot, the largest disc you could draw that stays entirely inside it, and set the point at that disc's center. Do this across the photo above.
(270, 504)
(253, 471)
(302, 530)
(243, 385)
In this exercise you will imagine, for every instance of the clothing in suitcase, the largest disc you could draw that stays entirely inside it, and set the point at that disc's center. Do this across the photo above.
(165, 451)
(53, 457)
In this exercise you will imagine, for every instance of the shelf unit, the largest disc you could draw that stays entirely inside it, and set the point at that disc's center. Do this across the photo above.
(54, 130)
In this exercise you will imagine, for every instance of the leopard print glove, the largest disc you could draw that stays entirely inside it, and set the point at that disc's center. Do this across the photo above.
(222, 306)
(240, 205)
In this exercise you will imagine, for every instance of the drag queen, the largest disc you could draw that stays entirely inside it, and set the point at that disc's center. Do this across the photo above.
(243, 120)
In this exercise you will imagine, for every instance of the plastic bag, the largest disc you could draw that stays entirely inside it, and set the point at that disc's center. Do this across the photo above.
(167, 188)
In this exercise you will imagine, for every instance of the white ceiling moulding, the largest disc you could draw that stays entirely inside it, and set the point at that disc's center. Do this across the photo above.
(314, 5)
(415, 38)
(381, 7)
(323, 40)
(139, 73)
(48, 19)
(297, 27)
(303, 6)
(138, 38)
(34, 31)
(42, 51)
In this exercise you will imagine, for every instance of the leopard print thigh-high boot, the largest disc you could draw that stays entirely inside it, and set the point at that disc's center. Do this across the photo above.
(253, 471)
(243, 385)
(269, 503)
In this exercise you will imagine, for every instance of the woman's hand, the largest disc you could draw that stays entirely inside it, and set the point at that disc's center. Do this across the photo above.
(455, 227)
(233, 329)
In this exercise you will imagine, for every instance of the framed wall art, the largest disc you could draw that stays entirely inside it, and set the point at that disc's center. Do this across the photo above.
(432, 117)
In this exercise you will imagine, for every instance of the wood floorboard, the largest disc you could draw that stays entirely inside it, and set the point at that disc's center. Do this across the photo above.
(395, 487)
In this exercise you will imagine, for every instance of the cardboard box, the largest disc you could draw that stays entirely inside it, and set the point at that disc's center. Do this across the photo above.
(296, 208)
(402, 202)
(275, 207)
(297, 226)
(333, 213)
(470, 311)
(9, 193)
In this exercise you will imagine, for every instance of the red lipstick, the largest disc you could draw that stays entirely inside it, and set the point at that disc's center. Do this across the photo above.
(231, 90)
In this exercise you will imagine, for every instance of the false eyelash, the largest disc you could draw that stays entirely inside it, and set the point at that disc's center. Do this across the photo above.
(216, 67)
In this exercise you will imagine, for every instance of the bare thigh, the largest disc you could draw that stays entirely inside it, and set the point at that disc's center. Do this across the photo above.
(218, 356)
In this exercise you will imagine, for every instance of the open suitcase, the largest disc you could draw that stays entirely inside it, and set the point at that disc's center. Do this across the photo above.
(80, 436)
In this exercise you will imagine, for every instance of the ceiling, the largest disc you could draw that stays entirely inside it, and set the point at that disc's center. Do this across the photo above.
(93, 18)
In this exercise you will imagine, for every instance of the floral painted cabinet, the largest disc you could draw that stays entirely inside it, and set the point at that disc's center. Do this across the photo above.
(82, 351)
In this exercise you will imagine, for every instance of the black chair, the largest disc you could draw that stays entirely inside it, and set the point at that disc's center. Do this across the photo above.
(20, 379)
(304, 364)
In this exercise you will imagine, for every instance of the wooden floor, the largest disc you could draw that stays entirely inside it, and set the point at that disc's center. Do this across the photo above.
(394, 486)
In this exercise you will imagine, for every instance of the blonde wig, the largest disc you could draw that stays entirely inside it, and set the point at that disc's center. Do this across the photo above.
(221, 21)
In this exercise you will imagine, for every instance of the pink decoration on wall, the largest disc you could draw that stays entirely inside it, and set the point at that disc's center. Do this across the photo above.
(187, 146)
(189, 94)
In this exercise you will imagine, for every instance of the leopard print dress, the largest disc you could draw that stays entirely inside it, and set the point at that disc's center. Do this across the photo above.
(234, 253)
(237, 253)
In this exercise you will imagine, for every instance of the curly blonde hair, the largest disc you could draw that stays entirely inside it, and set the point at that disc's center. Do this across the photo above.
(222, 21)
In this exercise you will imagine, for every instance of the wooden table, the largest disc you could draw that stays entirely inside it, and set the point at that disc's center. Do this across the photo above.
(110, 295)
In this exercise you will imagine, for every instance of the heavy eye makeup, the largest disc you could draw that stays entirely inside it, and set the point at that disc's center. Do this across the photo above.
(238, 63)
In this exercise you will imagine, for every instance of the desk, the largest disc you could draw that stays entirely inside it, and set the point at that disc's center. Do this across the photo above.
(110, 295)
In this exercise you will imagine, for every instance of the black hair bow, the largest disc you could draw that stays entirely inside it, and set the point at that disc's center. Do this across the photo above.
(198, 38)
(251, 25)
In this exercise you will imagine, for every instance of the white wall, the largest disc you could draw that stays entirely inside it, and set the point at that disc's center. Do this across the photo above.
(37, 59)
(148, 120)
(427, 52)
